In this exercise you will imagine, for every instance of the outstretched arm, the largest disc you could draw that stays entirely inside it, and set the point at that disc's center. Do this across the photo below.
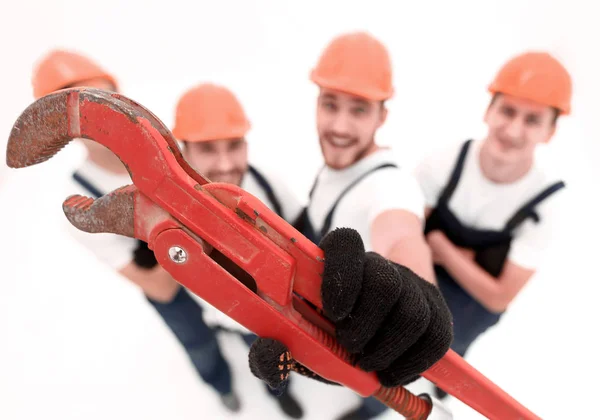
(398, 236)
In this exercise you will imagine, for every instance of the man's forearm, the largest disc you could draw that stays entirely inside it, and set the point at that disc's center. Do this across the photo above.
(416, 255)
(398, 236)
(476, 281)
(156, 283)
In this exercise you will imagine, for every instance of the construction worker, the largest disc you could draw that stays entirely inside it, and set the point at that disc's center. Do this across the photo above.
(361, 186)
(492, 210)
(212, 125)
(102, 172)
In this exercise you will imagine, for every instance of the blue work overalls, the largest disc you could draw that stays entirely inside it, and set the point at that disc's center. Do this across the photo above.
(491, 248)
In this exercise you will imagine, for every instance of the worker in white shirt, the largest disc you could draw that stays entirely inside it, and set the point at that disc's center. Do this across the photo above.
(492, 210)
(362, 188)
(212, 125)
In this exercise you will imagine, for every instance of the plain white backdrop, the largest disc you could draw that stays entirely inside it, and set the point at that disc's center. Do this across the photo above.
(78, 342)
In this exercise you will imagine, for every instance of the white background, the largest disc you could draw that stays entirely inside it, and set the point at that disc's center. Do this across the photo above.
(77, 342)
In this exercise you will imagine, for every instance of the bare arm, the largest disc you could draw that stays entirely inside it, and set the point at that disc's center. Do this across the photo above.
(398, 236)
(494, 294)
(156, 283)
(468, 253)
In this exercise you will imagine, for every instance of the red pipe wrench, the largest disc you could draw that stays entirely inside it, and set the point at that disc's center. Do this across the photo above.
(201, 232)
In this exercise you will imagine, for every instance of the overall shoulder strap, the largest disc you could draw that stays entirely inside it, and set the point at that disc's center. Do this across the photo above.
(315, 182)
(456, 173)
(142, 255)
(528, 210)
(266, 186)
(329, 217)
(85, 183)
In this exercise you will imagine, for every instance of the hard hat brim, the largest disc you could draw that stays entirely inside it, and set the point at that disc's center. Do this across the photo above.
(493, 89)
(340, 86)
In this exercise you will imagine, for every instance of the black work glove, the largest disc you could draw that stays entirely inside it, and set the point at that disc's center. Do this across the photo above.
(388, 318)
(143, 256)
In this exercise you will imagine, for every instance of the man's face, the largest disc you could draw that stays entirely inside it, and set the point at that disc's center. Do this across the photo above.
(219, 160)
(515, 127)
(346, 126)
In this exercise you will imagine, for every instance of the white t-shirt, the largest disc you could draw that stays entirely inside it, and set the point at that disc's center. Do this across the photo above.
(380, 191)
(117, 251)
(482, 204)
(290, 204)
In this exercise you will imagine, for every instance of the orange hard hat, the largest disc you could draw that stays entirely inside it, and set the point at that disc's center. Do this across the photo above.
(209, 112)
(358, 64)
(60, 68)
(536, 76)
